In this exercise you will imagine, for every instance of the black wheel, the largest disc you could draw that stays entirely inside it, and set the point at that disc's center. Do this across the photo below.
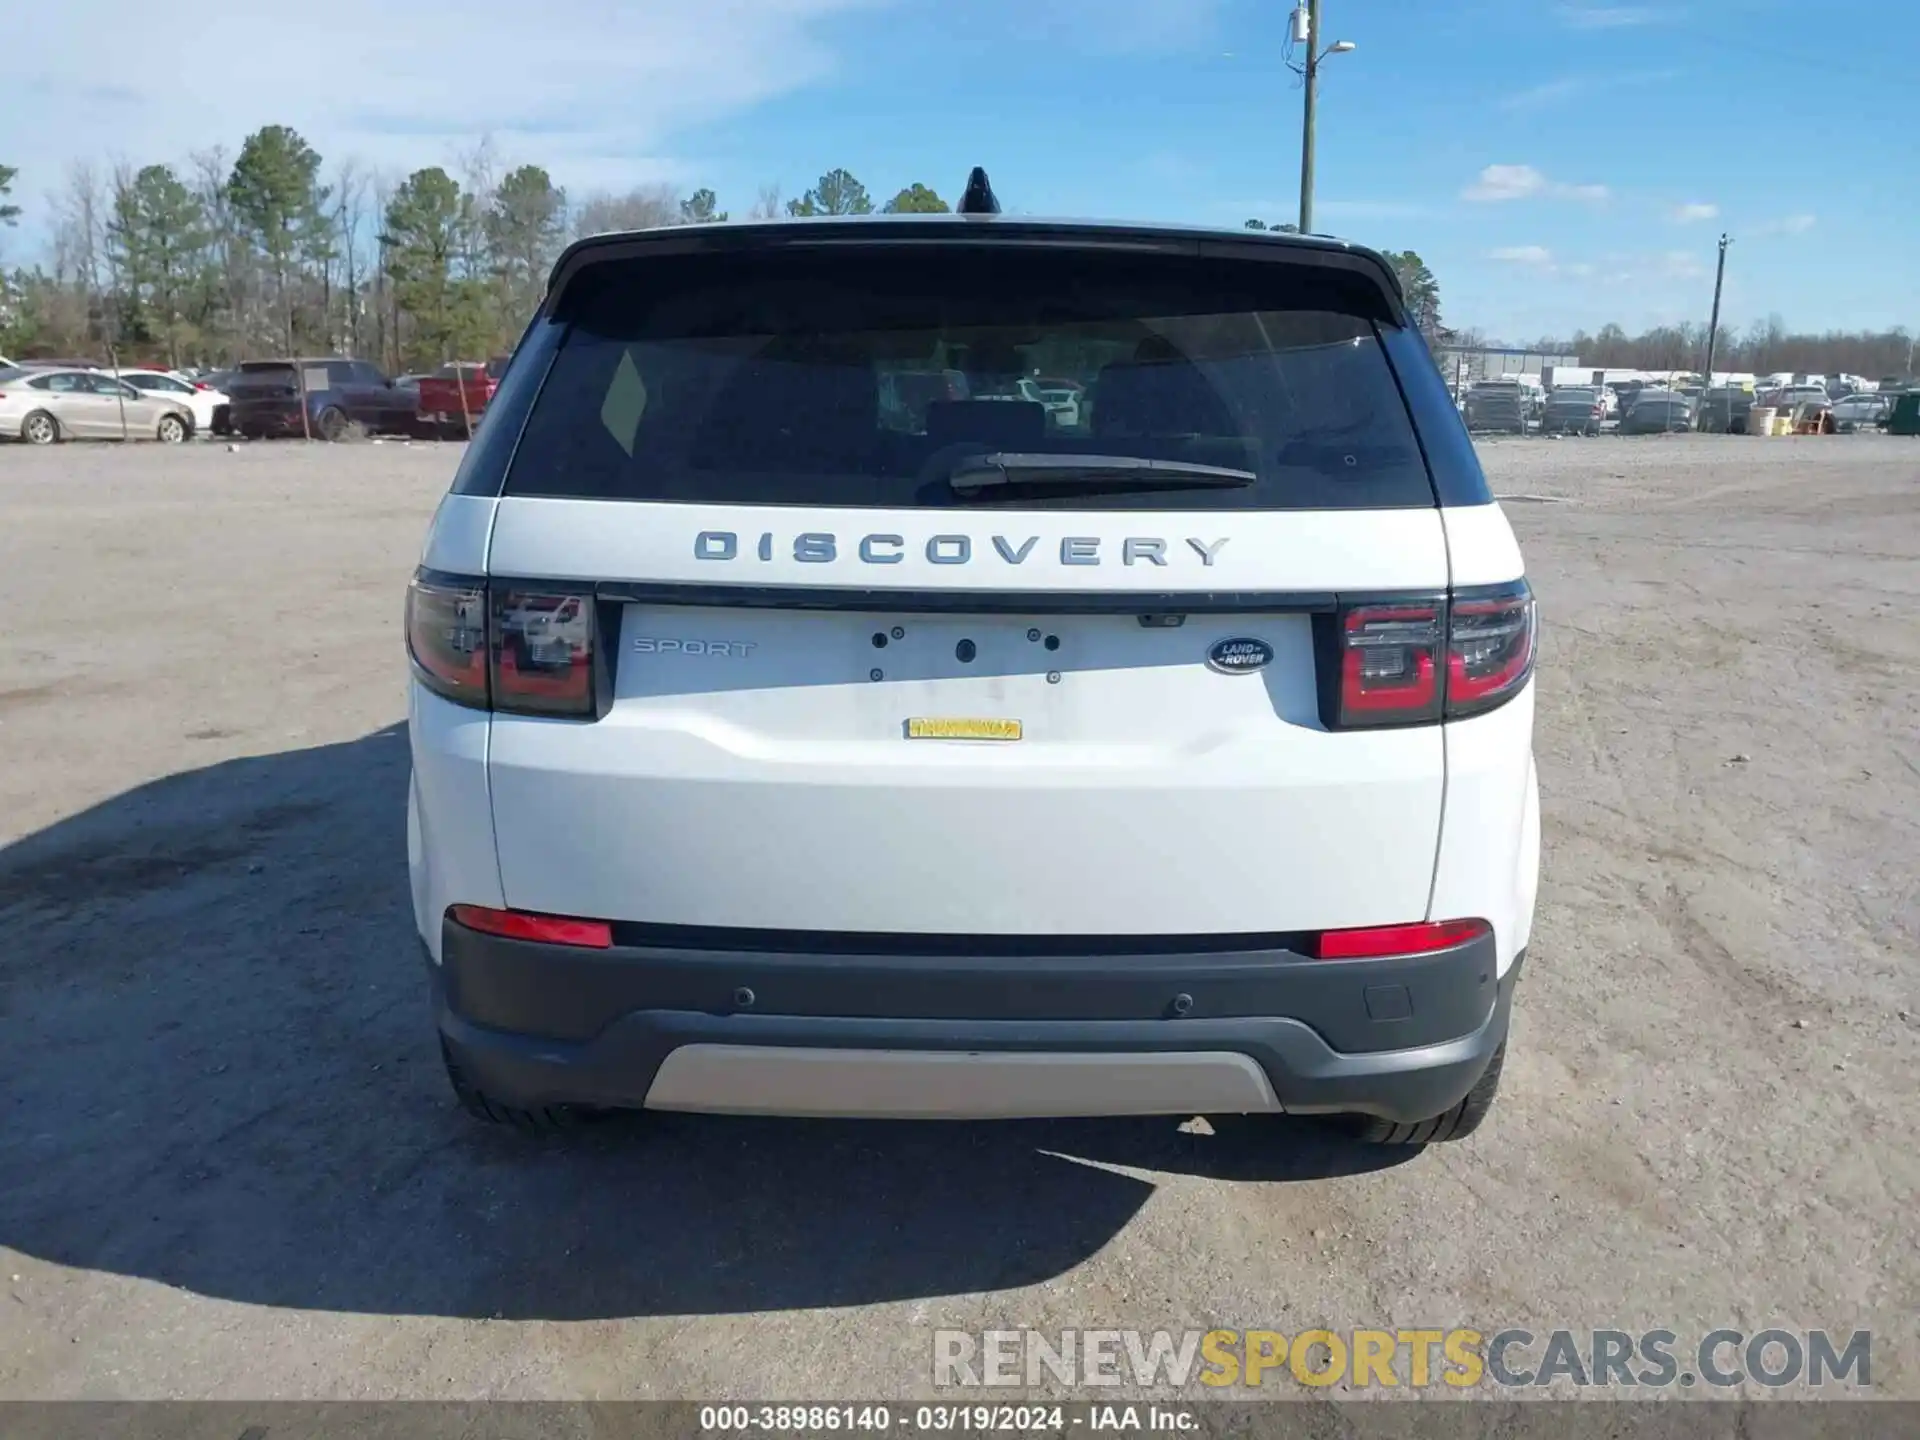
(332, 425)
(1456, 1124)
(537, 1120)
(39, 428)
(172, 430)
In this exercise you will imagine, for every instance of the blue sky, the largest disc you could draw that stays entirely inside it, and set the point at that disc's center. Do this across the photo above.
(1559, 163)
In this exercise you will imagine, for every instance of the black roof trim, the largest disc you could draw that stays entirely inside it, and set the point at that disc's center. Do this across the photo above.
(977, 229)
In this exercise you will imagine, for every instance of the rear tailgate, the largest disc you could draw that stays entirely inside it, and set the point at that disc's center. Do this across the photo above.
(267, 388)
(441, 394)
(840, 697)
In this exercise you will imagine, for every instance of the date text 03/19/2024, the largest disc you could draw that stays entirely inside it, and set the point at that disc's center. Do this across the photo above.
(943, 1419)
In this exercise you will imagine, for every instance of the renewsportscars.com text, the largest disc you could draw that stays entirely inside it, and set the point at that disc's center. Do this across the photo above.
(1413, 1358)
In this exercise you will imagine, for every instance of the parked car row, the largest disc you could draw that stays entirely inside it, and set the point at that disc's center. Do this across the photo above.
(47, 401)
(1650, 408)
(44, 404)
(344, 395)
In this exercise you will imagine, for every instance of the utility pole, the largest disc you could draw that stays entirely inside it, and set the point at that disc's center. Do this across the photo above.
(1713, 333)
(1307, 18)
(1306, 118)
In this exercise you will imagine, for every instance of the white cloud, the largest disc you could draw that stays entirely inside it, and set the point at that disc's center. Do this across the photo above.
(1612, 17)
(597, 91)
(1682, 265)
(1273, 211)
(1522, 255)
(1547, 92)
(1371, 209)
(1787, 225)
(1505, 182)
(1522, 182)
(1694, 210)
(1124, 27)
(1569, 87)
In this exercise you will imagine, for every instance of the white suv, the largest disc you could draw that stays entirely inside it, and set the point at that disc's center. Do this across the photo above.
(775, 752)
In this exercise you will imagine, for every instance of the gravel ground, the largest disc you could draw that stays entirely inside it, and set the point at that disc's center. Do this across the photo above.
(233, 1168)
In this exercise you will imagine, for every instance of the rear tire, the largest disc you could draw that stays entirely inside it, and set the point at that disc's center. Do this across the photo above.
(332, 425)
(535, 1120)
(1455, 1124)
(40, 428)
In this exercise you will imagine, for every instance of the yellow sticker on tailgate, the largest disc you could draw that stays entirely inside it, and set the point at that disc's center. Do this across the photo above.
(942, 727)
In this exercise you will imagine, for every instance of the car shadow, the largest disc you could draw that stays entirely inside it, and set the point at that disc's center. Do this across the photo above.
(219, 1073)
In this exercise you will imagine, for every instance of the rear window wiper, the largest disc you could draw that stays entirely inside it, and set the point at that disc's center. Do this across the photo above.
(1091, 472)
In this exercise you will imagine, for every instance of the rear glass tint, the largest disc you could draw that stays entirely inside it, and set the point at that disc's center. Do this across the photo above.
(863, 377)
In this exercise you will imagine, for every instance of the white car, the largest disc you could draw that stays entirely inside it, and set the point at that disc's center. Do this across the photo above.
(43, 407)
(769, 759)
(203, 400)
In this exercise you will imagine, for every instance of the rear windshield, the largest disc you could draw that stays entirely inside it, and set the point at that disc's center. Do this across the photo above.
(824, 378)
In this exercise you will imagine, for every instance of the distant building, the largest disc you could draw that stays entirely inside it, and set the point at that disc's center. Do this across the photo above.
(1465, 365)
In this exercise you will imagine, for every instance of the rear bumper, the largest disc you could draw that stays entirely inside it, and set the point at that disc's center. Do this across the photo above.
(750, 1030)
(251, 420)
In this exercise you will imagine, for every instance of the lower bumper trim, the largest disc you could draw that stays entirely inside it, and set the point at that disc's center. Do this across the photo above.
(937, 1084)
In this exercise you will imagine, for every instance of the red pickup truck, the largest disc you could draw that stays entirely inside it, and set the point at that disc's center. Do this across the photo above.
(439, 407)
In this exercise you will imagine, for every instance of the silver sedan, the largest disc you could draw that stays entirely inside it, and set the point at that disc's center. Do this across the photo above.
(43, 406)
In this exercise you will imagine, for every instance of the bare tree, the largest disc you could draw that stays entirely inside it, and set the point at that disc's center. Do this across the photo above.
(479, 171)
(386, 314)
(225, 289)
(80, 226)
(644, 208)
(349, 217)
(115, 242)
(767, 207)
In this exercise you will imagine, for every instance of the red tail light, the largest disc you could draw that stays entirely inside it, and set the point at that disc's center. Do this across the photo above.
(1390, 663)
(201, 385)
(499, 646)
(1489, 647)
(1374, 941)
(543, 651)
(545, 929)
(1415, 661)
(447, 635)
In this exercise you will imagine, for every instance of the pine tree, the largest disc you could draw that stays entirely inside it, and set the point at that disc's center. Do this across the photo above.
(525, 227)
(426, 233)
(278, 201)
(159, 237)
